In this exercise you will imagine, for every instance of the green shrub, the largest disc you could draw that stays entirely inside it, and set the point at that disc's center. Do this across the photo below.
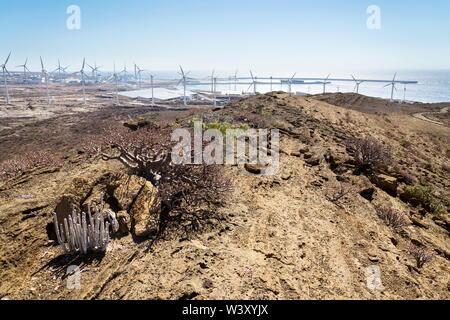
(425, 197)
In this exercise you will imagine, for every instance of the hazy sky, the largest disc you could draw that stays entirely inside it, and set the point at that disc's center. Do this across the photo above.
(265, 35)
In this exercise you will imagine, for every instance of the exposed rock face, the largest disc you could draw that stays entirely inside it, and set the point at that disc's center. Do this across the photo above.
(127, 191)
(386, 183)
(73, 197)
(138, 199)
(145, 211)
(124, 222)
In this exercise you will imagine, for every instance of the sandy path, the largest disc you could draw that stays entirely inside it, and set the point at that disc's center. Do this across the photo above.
(422, 116)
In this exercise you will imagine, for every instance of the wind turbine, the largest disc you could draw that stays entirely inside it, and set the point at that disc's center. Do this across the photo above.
(5, 71)
(253, 83)
(44, 74)
(183, 79)
(289, 82)
(139, 76)
(212, 81)
(151, 81)
(25, 68)
(124, 71)
(59, 69)
(357, 83)
(393, 86)
(235, 80)
(95, 70)
(115, 76)
(83, 75)
(325, 83)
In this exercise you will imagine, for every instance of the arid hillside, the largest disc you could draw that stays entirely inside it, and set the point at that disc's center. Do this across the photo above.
(316, 230)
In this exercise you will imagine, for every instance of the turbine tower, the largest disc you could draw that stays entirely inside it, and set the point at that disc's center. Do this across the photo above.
(212, 82)
(116, 80)
(393, 86)
(83, 75)
(235, 80)
(289, 82)
(325, 81)
(183, 79)
(44, 74)
(25, 69)
(124, 71)
(5, 71)
(357, 83)
(153, 96)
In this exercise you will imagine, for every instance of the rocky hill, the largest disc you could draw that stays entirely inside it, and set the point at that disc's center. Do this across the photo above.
(316, 230)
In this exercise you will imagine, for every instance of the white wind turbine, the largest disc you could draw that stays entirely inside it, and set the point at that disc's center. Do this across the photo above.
(5, 71)
(44, 74)
(25, 69)
(325, 82)
(289, 82)
(183, 79)
(235, 80)
(254, 82)
(95, 70)
(213, 89)
(83, 76)
(151, 82)
(124, 71)
(393, 86)
(115, 76)
(139, 74)
(60, 69)
(357, 84)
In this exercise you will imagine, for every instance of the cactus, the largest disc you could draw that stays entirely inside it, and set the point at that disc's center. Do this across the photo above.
(83, 232)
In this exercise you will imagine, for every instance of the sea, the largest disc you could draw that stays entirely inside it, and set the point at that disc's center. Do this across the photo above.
(433, 85)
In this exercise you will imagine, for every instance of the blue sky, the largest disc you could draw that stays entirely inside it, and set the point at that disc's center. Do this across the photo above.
(266, 35)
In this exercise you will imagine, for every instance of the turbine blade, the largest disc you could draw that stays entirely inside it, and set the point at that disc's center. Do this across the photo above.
(42, 63)
(7, 59)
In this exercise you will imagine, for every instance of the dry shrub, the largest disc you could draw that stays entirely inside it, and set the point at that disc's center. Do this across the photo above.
(255, 120)
(189, 194)
(420, 253)
(26, 162)
(335, 194)
(393, 218)
(370, 154)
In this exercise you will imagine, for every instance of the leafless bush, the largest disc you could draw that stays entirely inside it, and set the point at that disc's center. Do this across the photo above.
(26, 162)
(370, 154)
(189, 193)
(446, 168)
(255, 120)
(81, 232)
(393, 218)
(421, 253)
(335, 194)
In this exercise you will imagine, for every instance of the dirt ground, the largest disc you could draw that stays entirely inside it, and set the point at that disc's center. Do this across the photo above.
(278, 238)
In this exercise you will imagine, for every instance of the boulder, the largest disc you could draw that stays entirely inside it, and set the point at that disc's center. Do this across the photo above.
(145, 211)
(73, 196)
(124, 220)
(127, 190)
(254, 168)
(386, 183)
